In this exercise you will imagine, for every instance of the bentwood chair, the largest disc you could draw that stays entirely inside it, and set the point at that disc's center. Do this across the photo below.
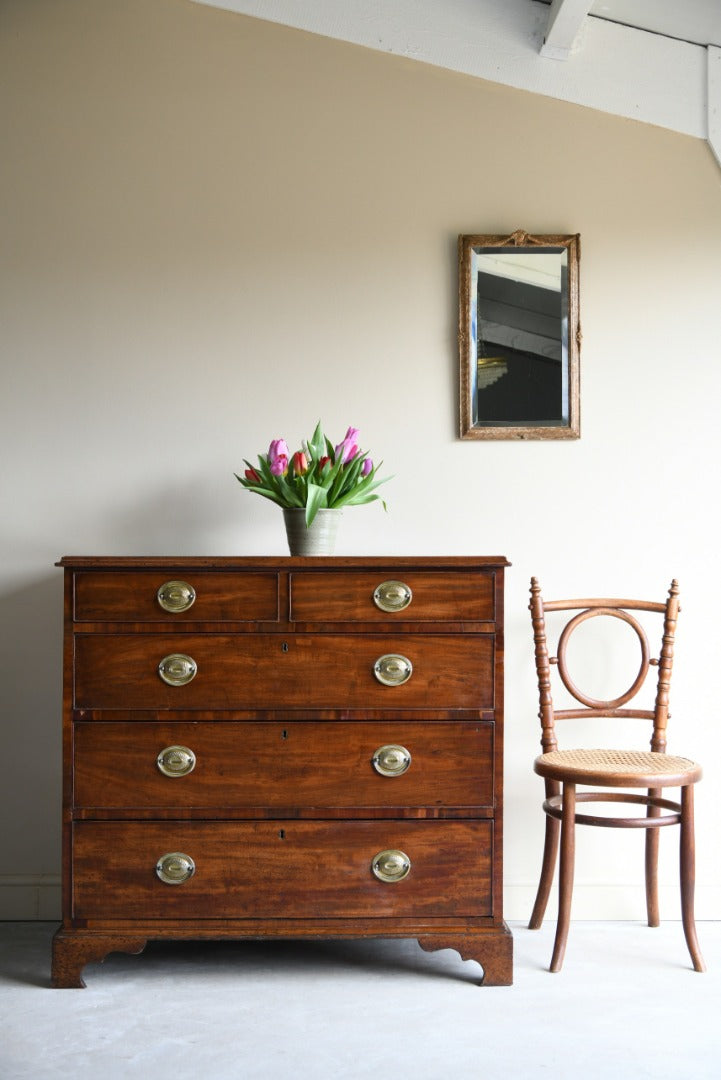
(564, 770)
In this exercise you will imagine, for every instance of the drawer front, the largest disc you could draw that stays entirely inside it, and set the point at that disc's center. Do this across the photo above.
(282, 869)
(133, 597)
(268, 671)
(413, 597)
(284, 765)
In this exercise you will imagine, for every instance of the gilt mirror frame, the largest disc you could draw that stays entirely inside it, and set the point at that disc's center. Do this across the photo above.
(532, 380)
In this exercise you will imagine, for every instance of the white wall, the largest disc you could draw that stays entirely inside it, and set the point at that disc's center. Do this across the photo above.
(217, 230)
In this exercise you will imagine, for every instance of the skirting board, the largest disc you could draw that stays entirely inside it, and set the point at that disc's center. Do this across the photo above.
(624, 903)
(29, 897)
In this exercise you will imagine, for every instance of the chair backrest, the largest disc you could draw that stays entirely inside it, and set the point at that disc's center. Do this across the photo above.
(592, 707)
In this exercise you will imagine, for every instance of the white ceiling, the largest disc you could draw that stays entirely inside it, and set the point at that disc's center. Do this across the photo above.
(697, 21)
(653, 61)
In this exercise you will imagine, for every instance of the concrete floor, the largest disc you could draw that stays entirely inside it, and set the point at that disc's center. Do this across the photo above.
(627, 1004)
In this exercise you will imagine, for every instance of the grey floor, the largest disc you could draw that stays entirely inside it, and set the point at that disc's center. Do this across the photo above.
(626, 1004)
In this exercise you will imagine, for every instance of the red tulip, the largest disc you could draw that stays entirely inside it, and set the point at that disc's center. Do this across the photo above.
(300, 463)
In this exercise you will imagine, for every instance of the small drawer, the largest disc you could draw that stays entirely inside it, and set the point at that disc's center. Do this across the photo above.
(173, 597)
(282, 869)
(273, 671)
(416, 596)
(243, 765)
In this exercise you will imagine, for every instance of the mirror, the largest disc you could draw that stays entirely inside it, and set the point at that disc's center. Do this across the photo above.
(519, 336)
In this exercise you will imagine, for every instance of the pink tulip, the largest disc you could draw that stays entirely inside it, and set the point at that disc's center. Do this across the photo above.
(367, 467)
(278, 457)
(347, 449)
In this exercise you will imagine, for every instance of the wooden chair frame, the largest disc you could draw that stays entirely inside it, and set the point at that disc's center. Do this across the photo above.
(564, 771)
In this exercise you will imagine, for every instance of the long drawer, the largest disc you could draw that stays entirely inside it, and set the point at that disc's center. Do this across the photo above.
(270, 671)
(282, 869)
(133, 765)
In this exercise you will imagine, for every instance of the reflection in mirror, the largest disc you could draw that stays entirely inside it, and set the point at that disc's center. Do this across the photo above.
(519, 336)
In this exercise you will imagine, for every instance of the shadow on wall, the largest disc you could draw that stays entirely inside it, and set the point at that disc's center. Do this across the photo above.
(31, 630)
(180, 518)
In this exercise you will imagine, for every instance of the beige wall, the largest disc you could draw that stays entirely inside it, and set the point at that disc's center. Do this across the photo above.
(216, 231)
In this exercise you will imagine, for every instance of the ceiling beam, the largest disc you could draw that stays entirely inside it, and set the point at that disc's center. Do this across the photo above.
(565, 19)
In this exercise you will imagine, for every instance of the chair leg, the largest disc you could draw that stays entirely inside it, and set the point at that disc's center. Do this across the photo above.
(565, 877)
(652, 838)
(688, 877)
(550, 851)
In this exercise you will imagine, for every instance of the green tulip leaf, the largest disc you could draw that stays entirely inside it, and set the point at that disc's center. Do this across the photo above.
(317, 500)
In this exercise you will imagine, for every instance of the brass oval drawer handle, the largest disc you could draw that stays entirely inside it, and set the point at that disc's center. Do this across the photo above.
(174, 868)
(391, 760)
(391, 865)
(393, 669)
(176, 761)
(392, 596)
(176, 596)
(177, 669)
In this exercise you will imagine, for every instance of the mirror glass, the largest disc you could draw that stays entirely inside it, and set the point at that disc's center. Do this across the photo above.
(519, 336)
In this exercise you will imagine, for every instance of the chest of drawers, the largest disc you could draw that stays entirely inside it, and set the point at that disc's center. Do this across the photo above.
(291, 747)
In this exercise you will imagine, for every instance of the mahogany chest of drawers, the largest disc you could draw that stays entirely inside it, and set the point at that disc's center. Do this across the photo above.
(289, 747)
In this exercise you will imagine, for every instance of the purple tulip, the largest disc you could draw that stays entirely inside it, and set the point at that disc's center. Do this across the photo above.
(367, 467)
(278, 457)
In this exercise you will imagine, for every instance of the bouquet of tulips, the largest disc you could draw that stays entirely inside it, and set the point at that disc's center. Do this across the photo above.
(317, 477)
